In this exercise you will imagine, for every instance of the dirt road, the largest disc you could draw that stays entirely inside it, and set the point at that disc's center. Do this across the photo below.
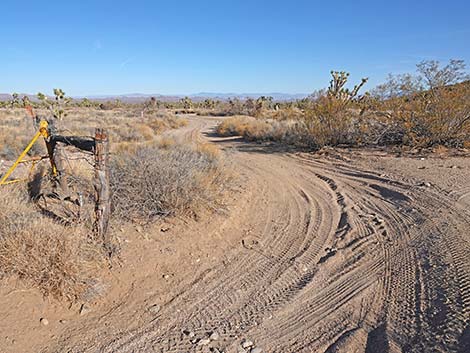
(340, 252)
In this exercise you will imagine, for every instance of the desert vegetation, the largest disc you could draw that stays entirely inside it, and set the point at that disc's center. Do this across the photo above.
(428, 108)
(47, 241)
(58, 260)
(169, 180)
(153, 176)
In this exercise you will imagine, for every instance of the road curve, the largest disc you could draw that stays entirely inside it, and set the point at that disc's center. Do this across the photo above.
(334, 258)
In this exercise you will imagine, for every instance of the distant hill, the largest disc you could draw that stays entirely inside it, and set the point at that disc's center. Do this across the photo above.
(276, 95)
(140, 97)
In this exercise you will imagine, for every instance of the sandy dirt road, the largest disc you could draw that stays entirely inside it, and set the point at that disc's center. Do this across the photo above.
(339, 252)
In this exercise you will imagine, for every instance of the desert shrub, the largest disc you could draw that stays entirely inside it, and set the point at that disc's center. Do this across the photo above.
(429, 108)
(235, 126)
(56, 259)
(332, 118)
(152, 182)
(289, 132)
(437, 116)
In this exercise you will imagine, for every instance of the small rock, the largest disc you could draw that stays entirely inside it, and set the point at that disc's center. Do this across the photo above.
(214, 336)
(154, 308)
(84, 309)
(164, 229)
(378, 220)
(454, 167)
(62, 321)
(44, 321)
(204, 342)
(256, 350)
(188, 333)
(422, 167)
(166, 276)
(139, 229)
(247, 344)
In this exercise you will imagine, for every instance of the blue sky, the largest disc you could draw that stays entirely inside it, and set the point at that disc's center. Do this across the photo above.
(114, 47)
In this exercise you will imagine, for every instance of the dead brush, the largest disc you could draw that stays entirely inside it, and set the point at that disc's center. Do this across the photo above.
(234, 126)
(58, 260)
(210, 149)
(180, 181)
(290, 132)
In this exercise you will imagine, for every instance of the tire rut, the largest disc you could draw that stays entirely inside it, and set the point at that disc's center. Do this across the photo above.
(337, 258)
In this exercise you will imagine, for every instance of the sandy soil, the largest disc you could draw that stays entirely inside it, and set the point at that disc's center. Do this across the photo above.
(341, 251)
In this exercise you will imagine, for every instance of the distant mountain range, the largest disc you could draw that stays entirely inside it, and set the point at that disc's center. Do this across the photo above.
(139, 97)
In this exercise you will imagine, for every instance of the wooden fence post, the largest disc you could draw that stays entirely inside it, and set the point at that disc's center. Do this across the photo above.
(102, 188)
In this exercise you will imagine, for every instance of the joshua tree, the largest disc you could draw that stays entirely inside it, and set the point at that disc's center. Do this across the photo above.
(57, 105)
(154, 103)
(25, 101)
(208, 104)
(86, 103)
(338, 91)
(15, 102)
(187, 103)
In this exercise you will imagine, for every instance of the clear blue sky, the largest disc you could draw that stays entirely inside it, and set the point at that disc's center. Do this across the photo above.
(113, 47)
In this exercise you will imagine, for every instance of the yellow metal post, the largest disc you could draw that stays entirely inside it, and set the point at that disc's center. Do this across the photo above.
(42, 132)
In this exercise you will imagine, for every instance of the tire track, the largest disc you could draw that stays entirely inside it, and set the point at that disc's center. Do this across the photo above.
(336, 258)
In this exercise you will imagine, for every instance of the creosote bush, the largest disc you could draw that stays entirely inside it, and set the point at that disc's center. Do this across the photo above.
(437, 111)
(153, 182)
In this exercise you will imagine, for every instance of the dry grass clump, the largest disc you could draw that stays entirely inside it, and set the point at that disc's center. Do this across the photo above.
(235, 126)
(290, 132)
(54, 258)
(181, 180)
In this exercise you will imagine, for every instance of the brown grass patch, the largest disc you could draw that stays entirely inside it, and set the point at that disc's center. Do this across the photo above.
(153, 182)
(56, 259)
